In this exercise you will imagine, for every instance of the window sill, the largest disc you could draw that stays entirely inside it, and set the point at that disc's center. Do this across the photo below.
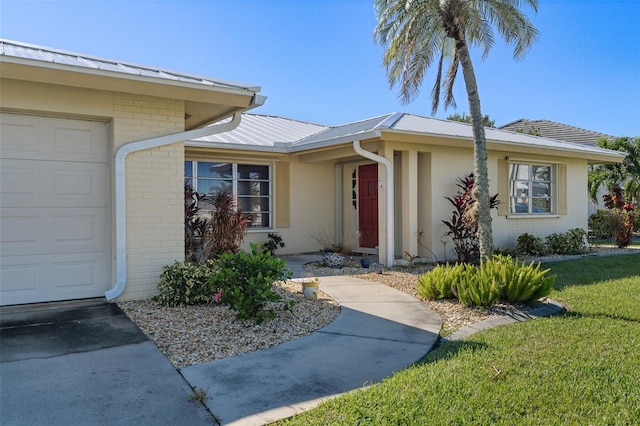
(534, 216)
(259, 230)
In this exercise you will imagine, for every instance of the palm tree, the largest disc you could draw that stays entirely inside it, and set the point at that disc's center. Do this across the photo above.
(416, 32)
(625, 174)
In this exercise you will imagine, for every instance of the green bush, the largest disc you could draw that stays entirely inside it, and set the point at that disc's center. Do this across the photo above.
(500, 278)
(571, 242)
(437, 283)
(599, 224)
(184, 284)
(477, 287)
(528, 244)
(274, 241)
(518, 282)
(246, 280)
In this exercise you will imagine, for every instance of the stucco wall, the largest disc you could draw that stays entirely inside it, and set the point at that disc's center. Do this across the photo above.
(439, 167)
(311, 207)
(507, 229)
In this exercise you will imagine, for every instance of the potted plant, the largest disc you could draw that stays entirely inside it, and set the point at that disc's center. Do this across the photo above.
(310, 287)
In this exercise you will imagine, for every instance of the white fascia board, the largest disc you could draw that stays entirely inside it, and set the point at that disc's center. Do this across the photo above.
(207, 84)
(237, 147)
(587, 151)
(340, 140)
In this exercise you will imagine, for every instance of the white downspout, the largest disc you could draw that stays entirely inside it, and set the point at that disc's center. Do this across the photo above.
(389, 191)
(120, 189)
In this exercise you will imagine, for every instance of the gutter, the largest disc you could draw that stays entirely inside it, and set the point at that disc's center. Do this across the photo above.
(389, 198)
(120, 189)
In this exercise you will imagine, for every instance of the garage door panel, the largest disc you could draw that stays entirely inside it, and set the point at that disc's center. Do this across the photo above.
(79, 230)
(78, 272)
(20, 232)
(53, 139)
(77, 184)
(48, 231)
(55, 209)
(20, 138)
(18, 184)
(23, 280)
(53, 184)
(32, 279)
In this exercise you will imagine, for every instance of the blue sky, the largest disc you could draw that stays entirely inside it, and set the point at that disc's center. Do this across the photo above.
(316, 59)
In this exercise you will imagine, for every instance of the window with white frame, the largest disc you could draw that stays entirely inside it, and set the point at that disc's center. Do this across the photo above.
(531, 188)
(250, 184)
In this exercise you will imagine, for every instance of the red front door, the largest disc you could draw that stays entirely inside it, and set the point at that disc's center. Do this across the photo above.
(368, 205)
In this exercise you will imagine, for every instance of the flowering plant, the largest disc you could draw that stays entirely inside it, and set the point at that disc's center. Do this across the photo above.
(620, 216)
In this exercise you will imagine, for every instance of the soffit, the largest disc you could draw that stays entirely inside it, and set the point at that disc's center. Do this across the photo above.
(205, 99)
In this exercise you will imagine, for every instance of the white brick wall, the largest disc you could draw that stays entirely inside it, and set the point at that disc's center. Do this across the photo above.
(154, 182)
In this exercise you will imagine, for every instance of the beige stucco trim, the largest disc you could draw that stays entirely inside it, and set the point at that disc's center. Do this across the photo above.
(282, 195)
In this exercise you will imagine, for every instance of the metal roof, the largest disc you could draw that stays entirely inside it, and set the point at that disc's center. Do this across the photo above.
(349, 130)
(264, 131)
(29, 52)
(286, 135)
(436, 127)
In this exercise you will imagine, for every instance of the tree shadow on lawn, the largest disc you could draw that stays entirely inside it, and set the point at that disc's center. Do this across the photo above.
(599, 315)
(445, 349)
(590, 270)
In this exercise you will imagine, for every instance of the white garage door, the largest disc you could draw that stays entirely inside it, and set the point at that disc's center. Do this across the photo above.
(54, 215)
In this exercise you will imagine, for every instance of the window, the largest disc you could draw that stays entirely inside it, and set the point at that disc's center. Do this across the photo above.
(249, 183)
(531, 189)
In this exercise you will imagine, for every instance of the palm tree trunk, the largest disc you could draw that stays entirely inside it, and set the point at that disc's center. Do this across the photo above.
(481, 174)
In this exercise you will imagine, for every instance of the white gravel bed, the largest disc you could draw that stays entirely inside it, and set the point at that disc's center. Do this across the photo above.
(454, 315)
(195, 334)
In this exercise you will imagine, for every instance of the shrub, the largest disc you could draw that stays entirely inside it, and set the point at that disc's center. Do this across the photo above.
(620, 217)
(187, 283)
(518, 282)
(477, 287)
(571, 242)
(208, 236)
(196, 227)
(274, 241)
(463, 224)
(437, 284)
(530, 245)
(246, 280)
(598, 223)
(499, 278)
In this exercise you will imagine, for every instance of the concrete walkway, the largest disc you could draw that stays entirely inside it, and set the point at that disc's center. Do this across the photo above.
(379, 331)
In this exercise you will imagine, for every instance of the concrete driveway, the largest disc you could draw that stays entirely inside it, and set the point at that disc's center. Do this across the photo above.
(87, 364)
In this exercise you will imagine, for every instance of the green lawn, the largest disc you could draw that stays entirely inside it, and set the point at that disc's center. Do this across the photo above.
(578, 368)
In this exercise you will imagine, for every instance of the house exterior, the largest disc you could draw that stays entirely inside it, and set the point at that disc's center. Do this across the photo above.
(563, 132)
(94, 154)
(385, 180)
(92, 164)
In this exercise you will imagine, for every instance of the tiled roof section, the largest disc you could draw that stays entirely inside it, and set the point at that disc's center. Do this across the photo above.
(265, 130)
(24, 51)
(558, 131)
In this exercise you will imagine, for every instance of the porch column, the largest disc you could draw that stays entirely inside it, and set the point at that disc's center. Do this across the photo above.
(384, 215)
(409, 208)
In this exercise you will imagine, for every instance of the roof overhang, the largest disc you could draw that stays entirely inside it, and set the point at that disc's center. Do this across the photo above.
(204, 103)
(565, 149)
